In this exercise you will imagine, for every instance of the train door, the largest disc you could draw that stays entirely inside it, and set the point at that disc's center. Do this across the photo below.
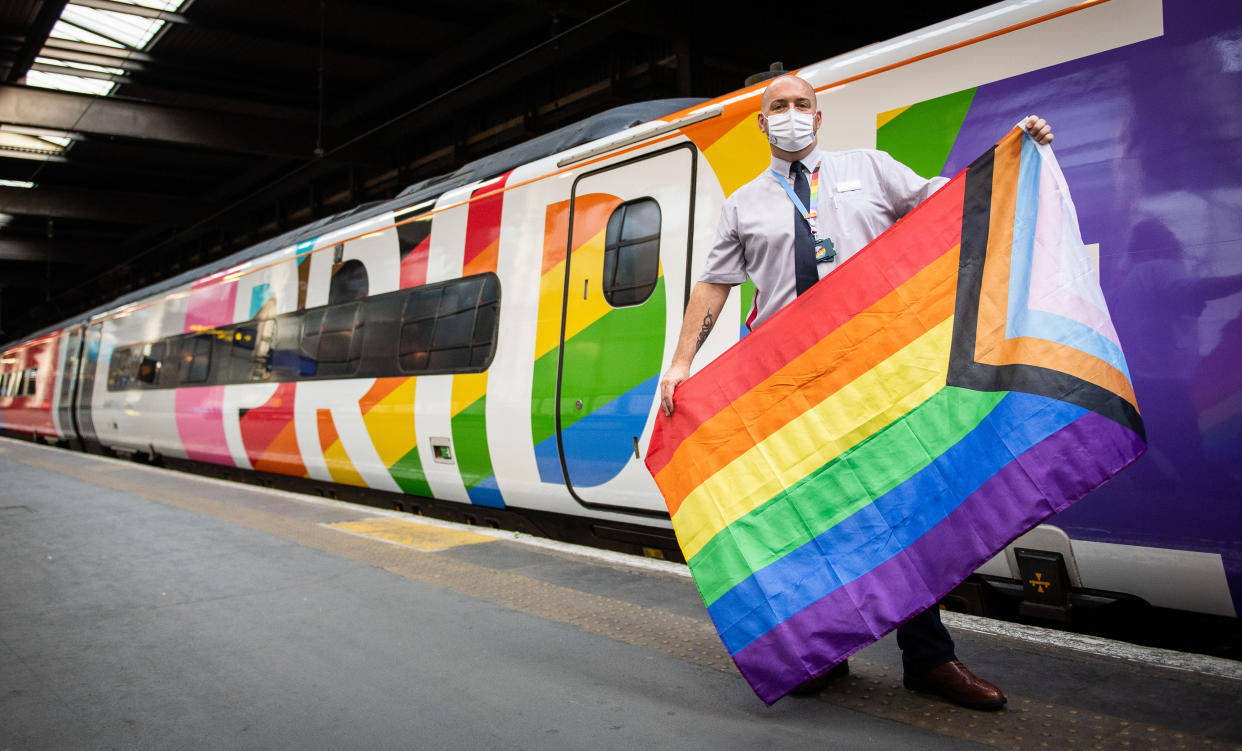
(88, 364)
(68, 380)
(627, 255)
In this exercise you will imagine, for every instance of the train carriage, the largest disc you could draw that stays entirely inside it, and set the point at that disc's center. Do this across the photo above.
(488, 344)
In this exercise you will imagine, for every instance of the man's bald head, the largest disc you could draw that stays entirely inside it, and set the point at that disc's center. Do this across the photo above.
(785, 92)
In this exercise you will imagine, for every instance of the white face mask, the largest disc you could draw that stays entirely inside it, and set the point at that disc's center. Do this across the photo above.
(791, 130)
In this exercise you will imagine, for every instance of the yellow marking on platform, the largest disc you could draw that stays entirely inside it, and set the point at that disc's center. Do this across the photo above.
(412, 534)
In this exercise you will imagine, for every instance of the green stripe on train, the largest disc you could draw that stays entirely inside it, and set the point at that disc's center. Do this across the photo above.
(922, 136)
(474, 460)
(637, 332)
(408, 472)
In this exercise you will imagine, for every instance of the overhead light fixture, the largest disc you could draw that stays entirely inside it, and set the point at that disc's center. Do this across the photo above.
(26, 146)
(49, 134)
(15, 184)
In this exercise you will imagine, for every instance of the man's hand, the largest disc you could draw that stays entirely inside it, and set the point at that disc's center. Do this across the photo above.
(671, 379)
(1038, 129)
(706, 300)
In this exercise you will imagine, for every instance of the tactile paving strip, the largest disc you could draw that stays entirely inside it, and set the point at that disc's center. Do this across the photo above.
(871, 688)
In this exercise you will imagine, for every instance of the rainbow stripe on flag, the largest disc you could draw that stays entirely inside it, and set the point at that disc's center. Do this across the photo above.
(843, 467)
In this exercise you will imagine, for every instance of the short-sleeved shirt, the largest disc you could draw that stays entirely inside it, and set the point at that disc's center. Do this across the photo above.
(861, 194)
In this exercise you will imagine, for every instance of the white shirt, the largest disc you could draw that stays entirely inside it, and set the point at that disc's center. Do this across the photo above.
(861, 194)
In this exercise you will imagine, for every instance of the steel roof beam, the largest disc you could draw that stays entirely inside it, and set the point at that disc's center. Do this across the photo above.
(141, 68)
(246, 28)
(107, 206)
(46, 251)
(36, 37)
(97, 54)
(133, 10)
(113, 116)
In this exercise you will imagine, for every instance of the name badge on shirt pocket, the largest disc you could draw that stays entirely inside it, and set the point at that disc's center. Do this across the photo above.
(848, 186)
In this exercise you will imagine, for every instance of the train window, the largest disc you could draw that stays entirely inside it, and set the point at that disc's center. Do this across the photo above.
(240, 353)
(332, 339)
(285, 361)
(31, 378)
(121, 368)
(450, 344)
(170, 364)
(151, 363)
(632, 253)
(196, 358)
(450, 327)
(312, 327)
(264, 333)
(486, 320)
(261, 357)
(423, 302)
(340, 340)
(418, 323)
(148, 370)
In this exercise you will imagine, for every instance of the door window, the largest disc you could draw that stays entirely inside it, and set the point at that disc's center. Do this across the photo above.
(632, 253)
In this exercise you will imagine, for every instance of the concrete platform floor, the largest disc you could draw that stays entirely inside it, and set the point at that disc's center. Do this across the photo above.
(148, 609)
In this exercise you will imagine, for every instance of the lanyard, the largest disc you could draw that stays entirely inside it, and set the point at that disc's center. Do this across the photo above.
(824, 250)
(811, 214)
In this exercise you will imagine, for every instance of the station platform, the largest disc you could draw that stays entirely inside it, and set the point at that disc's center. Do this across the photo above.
(150, 609)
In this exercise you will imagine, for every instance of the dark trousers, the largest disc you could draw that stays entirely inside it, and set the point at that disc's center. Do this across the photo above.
(925, 642)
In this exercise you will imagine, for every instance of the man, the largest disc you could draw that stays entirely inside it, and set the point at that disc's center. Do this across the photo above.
(788, 228)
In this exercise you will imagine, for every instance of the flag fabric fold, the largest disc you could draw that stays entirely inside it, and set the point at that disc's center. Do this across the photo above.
(849, 462)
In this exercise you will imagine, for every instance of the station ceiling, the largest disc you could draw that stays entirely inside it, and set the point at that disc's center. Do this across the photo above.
(220, 123)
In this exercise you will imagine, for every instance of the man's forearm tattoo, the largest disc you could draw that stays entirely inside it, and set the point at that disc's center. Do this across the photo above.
(708, 320)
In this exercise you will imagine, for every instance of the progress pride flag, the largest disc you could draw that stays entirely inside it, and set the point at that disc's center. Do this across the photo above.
(857, 456)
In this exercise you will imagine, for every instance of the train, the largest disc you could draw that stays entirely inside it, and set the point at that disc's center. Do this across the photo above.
(486, 346)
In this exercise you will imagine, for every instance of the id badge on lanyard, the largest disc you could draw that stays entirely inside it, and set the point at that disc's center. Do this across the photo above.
(824, 250)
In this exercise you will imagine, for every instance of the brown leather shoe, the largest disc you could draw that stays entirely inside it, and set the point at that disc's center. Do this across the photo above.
(817, 685)
(957, 684)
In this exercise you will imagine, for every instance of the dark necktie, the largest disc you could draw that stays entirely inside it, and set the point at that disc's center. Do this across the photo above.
(805, 273)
